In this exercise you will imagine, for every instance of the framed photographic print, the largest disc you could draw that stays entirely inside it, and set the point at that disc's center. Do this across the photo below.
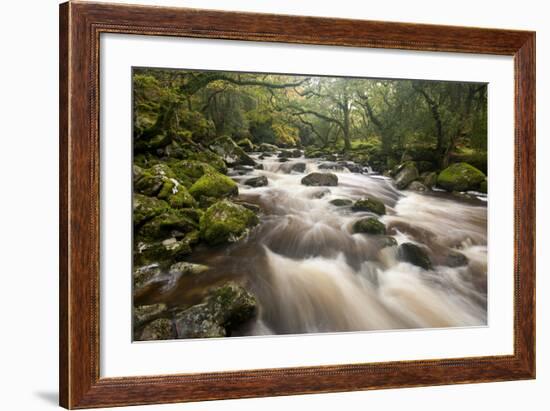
(256, 205)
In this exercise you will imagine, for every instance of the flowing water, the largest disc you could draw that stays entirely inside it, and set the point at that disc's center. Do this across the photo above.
(310, 274)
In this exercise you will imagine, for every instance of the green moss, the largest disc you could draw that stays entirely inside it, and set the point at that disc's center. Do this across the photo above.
(369, 225)
(165, 225)
(167, 189)
(191, 170)
(460, 177)
(371, 204)
(483, 186)
(213, 185)
(164, 252)
(208, 157)
(226, 222)
(145, 208)
(246, 144)
(181, 199)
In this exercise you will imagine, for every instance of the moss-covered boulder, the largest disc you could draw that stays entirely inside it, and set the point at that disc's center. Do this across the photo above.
(226, 222)
(159, 329)
(163, 252)
(369, 225)
(320, 179)
(231, 153)
(170, 223)
(223, 309)
(213, 186)
(460, 177)
(413, 254)
(191, 170)
(341, 202)
(182, 199)
(145, 208)
(406, 174)
(268, 148)
(158, 179)
(370, 203)
(246, 144)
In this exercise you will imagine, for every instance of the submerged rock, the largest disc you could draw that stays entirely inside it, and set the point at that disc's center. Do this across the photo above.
(341, 202)
(460, 177)
(226, 222)
(407, 174)
(320, 179)
(223, 309)
(298, 167)
(370, 225)
(417, 186)
(256, 181)
(159, 329)
(371, 204)
(456, 259)
(413, 254)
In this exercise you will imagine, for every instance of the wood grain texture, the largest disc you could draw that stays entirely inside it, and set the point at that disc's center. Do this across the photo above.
(80, 27)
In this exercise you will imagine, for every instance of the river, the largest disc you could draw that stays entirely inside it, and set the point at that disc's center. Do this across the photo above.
(310, 274)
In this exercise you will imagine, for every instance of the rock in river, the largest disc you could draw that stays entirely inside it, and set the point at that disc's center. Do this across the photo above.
(369, 225)
(407, 174)
(456, 259)
(221, 311)
(226, 222)
(320, 179)
(411, 253)
(371, 204)
(256, 181)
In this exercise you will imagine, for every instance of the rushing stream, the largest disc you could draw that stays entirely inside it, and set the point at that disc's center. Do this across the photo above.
(309, 273)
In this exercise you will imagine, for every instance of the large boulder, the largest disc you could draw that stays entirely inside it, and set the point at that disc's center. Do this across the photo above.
(460, 177)
(456, 259)
(268, 148)
(159, 329)
(320, 179)
(181, 198)
(190, 170)
(145, 208)
(429, 179)
(226, 222)
(213, 186)
(223, 309)
(246, 144)
(231, 153)
(298, 167)
(413, 254)
(170, 223)
(256, 181)
(407, 174)
(369, 225)
(162, 252)
(372, 204)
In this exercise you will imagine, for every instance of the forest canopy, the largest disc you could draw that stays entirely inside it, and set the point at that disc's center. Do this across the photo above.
(381, 118)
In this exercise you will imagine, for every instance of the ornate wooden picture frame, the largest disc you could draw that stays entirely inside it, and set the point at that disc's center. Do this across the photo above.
(80, 27)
